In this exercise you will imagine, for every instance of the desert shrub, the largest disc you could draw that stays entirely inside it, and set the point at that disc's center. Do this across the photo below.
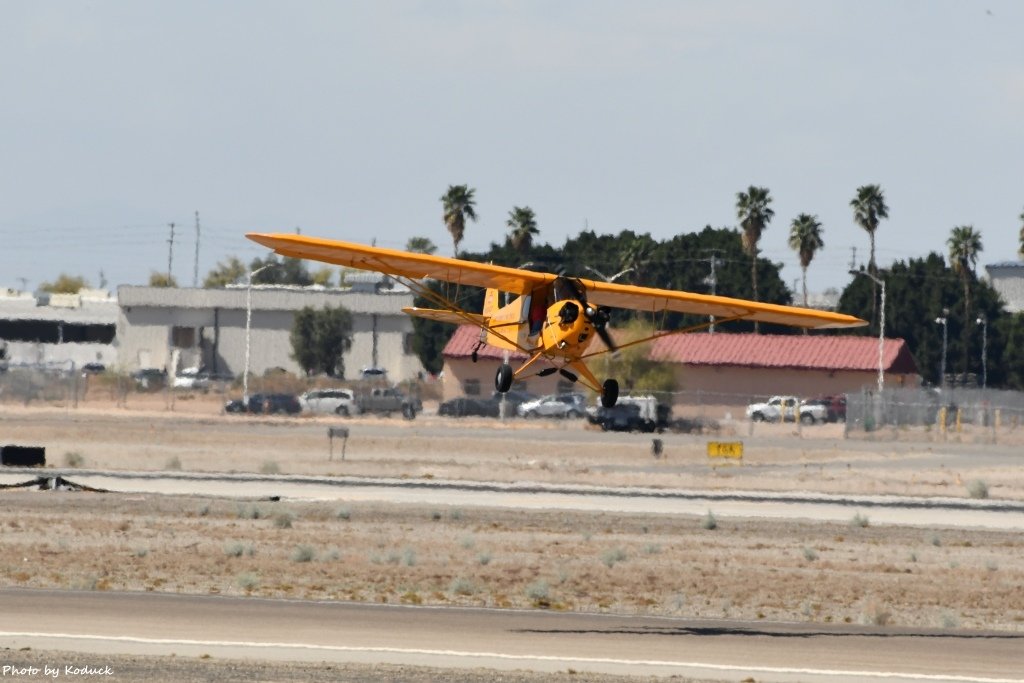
(249, 512)
(234, 549)
(709, 522)
(409, 557)
(303, 553)
(248, 581)
(343, 513)
(484, 559)
(950, 619)
(859, 520)
(810, 554)
(461, 586)
(173, 464)
(74, 459)
(936, 541)
(976, 488)
(467, 542)
(270, 467)
(204, 509)
(613, 557)
(456, 514)
(538, 591)
(284, 519)
(652, 549)
(141, 552)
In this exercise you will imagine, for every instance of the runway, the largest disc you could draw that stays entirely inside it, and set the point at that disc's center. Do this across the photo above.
(290, 630)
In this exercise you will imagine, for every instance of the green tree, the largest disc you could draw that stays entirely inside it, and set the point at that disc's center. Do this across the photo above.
(420, 245)
(65, 284)
(636, 370)
(523, 226)
(459, 205)
(226, 273)
(320, 339)
(964, 245)
(754, 215)
(805, 239)
(322, 276)
(158, 279)
(283, 271)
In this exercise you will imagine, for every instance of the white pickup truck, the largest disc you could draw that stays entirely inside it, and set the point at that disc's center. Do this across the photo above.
(785, 409)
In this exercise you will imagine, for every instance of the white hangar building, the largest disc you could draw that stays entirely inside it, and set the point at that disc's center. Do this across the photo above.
(175, 328)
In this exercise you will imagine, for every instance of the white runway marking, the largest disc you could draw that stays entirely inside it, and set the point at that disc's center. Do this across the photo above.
(581, 661)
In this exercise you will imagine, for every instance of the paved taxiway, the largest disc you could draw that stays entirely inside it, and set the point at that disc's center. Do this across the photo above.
(148, 623)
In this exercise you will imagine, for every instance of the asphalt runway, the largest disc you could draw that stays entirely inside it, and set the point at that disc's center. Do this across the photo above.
(303, 631)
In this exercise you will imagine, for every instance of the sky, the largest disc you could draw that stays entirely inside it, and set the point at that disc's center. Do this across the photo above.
(350, 119)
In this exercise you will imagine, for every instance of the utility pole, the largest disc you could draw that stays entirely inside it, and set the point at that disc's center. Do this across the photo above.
(853, 259)
(712, 279)
(195, 268)
(170, 254)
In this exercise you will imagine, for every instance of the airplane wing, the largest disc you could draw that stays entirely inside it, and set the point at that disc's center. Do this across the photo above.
(419, 266)
(403, 263)
(658, 300)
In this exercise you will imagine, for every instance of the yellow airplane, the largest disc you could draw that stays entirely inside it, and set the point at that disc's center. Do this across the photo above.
(548, 317)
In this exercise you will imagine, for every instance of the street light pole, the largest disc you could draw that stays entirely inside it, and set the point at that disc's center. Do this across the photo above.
(983, 321)
(248, 330)
(942, 372)
(881, 329)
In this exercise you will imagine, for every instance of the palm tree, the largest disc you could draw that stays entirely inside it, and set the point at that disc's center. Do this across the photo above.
(805, 239)
(754, 215)
(420, 245)
(868, 209)
(1020, 251)
(458, 206)
(523, 224)
(964, 245)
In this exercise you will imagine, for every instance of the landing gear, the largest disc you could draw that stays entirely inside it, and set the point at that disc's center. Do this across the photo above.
(610, 393)
(503, 378)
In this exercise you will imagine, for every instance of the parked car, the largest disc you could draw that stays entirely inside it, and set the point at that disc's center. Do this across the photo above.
(555, 405)
(388, 400)
(632, 413)
(466, 406)
(191, 378)
(786, 409)
(150, 378)
(337, 401)
(469, 406)
(265, 404)
(373, 373)
(835, 407)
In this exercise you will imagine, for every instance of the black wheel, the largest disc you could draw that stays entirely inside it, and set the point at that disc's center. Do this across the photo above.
(807, 419)
(408, 412)
(503, 378)
(341, 411)
(610, 394)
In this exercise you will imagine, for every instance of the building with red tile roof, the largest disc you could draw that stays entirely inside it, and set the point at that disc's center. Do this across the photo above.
(734, 367)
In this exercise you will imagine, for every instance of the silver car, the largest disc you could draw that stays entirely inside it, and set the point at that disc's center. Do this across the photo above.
(327, 401)
(554, 405)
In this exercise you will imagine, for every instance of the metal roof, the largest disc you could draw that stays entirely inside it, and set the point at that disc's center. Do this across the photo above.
(796, 351)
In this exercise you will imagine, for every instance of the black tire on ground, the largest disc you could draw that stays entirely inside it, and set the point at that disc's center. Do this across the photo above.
(342, 411)
(503, 378)
(807, 419)
(757, 417)
(408, 412)
(610, 393)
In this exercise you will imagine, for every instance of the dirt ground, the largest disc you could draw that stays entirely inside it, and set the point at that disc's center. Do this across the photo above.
(659, 565)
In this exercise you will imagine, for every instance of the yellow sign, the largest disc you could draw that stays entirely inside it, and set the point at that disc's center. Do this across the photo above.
(725, 449)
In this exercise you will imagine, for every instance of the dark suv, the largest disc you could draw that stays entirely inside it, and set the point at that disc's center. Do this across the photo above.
(266, 404)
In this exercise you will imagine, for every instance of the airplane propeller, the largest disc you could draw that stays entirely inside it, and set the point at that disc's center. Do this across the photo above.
(598, 317)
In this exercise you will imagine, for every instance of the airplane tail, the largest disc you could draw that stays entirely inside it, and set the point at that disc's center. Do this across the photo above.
(492, 302)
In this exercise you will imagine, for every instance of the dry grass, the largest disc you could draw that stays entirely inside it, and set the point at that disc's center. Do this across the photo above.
(748, 569)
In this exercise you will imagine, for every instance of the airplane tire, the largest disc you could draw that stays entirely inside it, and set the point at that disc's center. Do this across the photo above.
(503, 378)
(610, 393)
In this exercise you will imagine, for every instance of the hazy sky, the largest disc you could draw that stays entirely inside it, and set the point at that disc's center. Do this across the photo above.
(350, 119)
